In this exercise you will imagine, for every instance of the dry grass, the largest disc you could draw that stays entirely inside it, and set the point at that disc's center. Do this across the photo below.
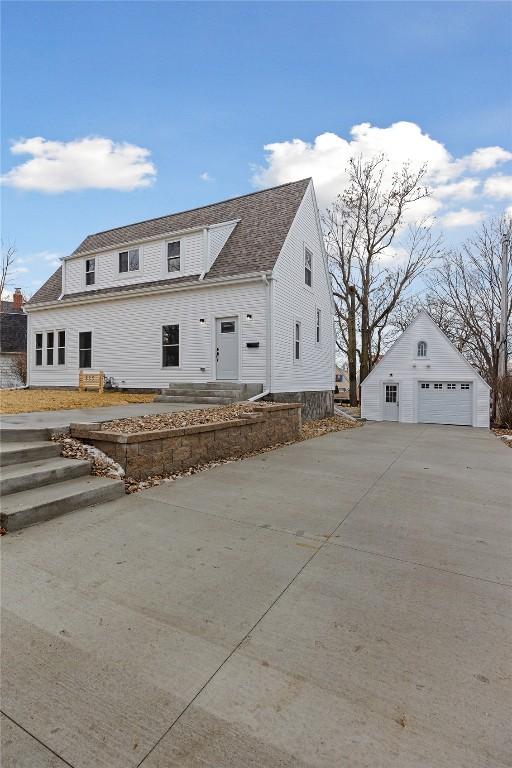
(505, 435)
(28, 400)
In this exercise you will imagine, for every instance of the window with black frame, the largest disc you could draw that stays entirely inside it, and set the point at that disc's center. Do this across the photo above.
(90, 271)
(170, 346)
(174, 256)
(129, 260)
(39, 348)
(50, 336)
(61, 347)
(85, 349)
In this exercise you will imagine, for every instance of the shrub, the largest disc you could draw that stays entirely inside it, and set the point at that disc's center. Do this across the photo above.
(503, 392)
(19, 365)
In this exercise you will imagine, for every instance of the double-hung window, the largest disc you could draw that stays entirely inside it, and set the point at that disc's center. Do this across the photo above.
(174, 256)
(50, 337)
(318, 325)
(39, 348)
(85, 349)
(296, 342)
(90, 271)
(170, 346)
(61, 347)
(308, 266)
(129, 260)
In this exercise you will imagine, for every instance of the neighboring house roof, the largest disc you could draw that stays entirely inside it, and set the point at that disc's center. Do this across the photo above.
(13, 331)
(424, 313)
(253, 246)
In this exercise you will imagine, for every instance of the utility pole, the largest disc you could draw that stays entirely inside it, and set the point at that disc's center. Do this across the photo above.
(502, 351)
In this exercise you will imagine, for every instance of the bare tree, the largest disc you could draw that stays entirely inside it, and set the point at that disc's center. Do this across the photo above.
(363, 226)
(8, 259)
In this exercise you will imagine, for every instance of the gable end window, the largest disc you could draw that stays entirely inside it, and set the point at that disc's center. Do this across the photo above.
(85, 349)
(61, 347)
(422, 349)
(90, 271)
(170, 346)
(174, 256)
(39, 348)
(50, 336)
(129, 261)
(296, 350)
(308, 266)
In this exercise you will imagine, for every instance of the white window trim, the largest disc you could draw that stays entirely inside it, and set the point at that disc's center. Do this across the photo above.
(180, 272)
(179, 345)
(297, 360)
(36, 349)
(318, 327)
(85, 330)
(131, 273)
(84, 273)
(310, 249)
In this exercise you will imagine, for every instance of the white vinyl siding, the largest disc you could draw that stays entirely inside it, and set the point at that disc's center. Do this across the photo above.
(442, 365)
(133, 354)
(293, 300)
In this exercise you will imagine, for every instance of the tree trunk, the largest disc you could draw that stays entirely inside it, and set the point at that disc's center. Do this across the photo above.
(364, 368)
(351, 352)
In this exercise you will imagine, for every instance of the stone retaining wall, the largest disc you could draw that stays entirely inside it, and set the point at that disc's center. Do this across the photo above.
(315, 405)
(166, 451)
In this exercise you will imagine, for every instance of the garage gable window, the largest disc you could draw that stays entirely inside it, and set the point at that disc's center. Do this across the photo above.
(422, 349)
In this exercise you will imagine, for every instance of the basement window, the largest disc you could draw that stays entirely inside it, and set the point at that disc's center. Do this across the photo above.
(129, 261)
(39, 348)
(90, 271)
(85, 349)
(174, 256)
(170, 346)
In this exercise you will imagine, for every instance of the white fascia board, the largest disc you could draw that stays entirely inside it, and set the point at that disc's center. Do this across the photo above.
(148, 290)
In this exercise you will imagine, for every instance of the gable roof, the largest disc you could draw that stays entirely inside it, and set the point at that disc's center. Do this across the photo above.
(265, 218)
(424, 313)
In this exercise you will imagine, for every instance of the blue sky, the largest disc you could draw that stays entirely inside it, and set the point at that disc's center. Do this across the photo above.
(201, 88)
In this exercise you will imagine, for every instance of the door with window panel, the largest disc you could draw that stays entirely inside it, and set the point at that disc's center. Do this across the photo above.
(226, 352)
(391, 402)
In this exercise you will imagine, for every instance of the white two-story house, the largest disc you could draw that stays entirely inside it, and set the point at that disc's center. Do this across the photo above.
(235, 291)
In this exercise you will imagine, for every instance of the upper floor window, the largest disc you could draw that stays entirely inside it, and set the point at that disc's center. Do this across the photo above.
(90, 271)
(49, 347)
(129, 260)
(308, 266)
(174, 256)
(422, 348)
(39, 348)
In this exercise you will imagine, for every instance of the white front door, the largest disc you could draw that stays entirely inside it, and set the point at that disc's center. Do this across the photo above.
(391, 402)
(226, 339)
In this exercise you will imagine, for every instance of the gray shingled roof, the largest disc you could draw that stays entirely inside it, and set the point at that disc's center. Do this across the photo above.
(13, 331)
(254, 245)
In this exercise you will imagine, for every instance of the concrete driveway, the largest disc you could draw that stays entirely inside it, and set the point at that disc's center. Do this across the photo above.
(339, 602)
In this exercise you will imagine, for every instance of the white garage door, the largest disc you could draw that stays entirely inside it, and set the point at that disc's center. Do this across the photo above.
(445, 402)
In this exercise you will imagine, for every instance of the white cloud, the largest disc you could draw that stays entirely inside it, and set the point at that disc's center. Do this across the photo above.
(499, 186)
(463, 218)
(326, 159)
(205, 176)
(89, 163)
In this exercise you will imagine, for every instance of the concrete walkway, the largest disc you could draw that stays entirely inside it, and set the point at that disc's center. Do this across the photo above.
(339, 602)
(62, 419)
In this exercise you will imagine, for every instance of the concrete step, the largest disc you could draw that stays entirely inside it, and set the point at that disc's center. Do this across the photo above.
(21, 452)
(235, 394)
(207, 385)
(33, 474)
(28, 507)
(23, 434)
(193, 399)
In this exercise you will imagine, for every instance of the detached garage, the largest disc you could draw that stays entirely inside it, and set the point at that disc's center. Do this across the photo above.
(424, 379)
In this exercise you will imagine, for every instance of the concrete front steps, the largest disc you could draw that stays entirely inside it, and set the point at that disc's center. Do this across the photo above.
(211, 393)
(37, 483)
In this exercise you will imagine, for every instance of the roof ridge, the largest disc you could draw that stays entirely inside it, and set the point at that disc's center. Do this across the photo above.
(199, 208)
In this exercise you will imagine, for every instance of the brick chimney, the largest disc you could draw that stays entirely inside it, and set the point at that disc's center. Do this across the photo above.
(17, 300)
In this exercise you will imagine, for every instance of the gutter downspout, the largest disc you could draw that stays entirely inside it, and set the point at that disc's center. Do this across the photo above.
(258, 397)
